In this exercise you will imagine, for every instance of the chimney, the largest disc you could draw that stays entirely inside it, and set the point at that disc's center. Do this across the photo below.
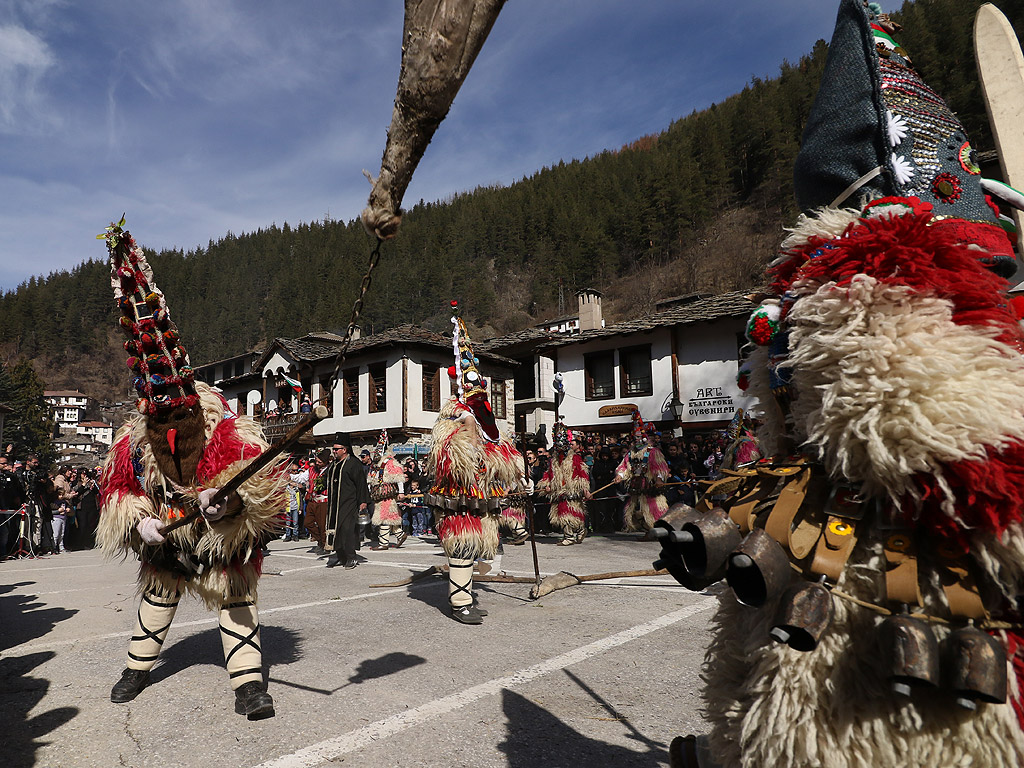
(357, 332)
(590, 309)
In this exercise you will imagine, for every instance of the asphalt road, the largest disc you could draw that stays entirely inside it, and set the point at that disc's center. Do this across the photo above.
(600, 674)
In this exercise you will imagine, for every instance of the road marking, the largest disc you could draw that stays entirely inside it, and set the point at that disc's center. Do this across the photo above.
(50, 568)
(332, 749)
(28, 648)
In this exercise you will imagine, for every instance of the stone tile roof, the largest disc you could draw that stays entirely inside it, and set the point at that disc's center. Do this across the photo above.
(528, 337)
(733, 304)
(313, 348)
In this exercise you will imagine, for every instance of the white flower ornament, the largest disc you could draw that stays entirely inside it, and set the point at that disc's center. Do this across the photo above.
(903, 169)
(896, 127)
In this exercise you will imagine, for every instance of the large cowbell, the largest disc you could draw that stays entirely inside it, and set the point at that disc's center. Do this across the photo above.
(804, 613)
(711, 538)
(669, 531)
(975, 667)
(913, 653)
(759, 569)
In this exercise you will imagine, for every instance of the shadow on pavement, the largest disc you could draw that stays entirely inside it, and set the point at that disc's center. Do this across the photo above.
(538, 739)
(20, 693)
(388, 664)
(280, 646)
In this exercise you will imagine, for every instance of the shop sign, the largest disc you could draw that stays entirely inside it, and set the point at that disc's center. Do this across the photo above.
(619, 409)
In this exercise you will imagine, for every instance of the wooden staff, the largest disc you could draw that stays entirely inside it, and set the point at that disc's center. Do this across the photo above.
(285, 443)
(529, 510)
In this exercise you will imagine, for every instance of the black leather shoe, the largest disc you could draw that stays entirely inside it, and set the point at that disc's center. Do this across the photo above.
(129, 686)
(332, 561)
(467, 614)
(252, 701)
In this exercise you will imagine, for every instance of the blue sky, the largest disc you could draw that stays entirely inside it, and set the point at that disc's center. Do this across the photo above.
(196, 118)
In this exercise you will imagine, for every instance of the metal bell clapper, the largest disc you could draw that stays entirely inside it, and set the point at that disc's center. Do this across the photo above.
(913, 653)
(758, 570)
(712, 537)
(976, 667)
(805, 612)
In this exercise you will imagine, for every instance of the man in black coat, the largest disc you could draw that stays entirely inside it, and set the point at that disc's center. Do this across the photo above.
(347, 495)
(12, 496)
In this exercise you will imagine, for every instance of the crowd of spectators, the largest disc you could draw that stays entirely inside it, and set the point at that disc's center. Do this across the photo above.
(691, 459)
(45, 511)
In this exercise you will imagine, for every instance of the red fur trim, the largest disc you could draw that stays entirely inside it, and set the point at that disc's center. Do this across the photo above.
(1015, 653)
(503, 450)
(905, 250)
(222, 450)
(119, 474)
(459, 525)
(987, 494)
(579, 468)
(566, 509)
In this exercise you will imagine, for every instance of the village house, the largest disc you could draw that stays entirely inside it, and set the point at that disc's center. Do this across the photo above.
(677, 367)
(396, 380)
(67, 408)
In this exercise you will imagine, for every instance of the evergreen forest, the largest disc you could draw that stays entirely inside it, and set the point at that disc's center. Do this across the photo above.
(699, 207)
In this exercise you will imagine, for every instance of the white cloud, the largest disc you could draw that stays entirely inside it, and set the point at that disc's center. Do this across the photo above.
(24, 60)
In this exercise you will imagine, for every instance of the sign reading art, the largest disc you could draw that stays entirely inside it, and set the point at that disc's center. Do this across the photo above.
(710, 401)
(619, 409)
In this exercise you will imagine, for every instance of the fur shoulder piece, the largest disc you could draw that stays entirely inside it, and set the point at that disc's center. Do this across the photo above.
(238, 439)
(392, 472)
(118, 476)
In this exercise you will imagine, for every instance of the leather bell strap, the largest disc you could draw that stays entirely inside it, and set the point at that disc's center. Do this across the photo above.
(797, 534)
(901, 578)
(834, 548)
(959, 584)
(757, 490)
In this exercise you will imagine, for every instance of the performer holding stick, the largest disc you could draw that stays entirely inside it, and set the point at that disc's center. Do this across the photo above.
(475, 468)
(174, 456)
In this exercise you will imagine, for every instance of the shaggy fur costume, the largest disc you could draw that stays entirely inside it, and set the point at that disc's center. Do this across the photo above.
(383, 482)
(906, 379)
(471, 477)
(642, 471)
(566, 482)
(132, 487)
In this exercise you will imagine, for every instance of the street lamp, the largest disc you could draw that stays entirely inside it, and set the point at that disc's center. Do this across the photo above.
(677, 407)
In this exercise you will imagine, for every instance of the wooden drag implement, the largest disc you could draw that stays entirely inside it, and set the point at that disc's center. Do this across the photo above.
(550, 584)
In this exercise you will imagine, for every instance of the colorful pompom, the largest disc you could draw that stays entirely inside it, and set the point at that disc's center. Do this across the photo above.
(764, 323)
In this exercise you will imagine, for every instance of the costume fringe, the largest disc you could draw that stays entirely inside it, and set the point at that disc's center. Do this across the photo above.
(833, 707)
(468, 537)
(386, 512)
(564, 483)
(232, 544)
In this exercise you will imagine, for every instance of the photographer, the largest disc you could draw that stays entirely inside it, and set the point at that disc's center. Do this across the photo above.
(12, 496)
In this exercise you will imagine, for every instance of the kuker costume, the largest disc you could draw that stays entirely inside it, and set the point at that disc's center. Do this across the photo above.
(386, 480)
(566, 482)
(474, 468)
(876, 560)
(642, 474)
(169, 458)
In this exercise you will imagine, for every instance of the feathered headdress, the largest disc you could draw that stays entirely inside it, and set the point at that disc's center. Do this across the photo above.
(381, 449)
(162, 374)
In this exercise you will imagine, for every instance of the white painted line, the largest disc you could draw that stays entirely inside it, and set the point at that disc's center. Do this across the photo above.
(17, 650)
(82, 589)
(50, 568)
(332, 749)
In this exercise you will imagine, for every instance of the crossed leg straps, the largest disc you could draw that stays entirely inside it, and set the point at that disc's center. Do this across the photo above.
(240, 636)
(154, 619)
(460, 582)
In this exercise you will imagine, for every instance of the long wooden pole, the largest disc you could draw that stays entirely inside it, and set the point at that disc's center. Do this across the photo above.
(529, 509)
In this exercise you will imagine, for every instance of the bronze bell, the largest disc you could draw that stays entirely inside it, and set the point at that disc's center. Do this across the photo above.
(666, 530)
(913, 653)
(976, 667)
(712, 537)
(805, 612)
(759, 569)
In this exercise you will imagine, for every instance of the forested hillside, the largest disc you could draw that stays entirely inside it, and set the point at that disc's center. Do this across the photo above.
(697, 207)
